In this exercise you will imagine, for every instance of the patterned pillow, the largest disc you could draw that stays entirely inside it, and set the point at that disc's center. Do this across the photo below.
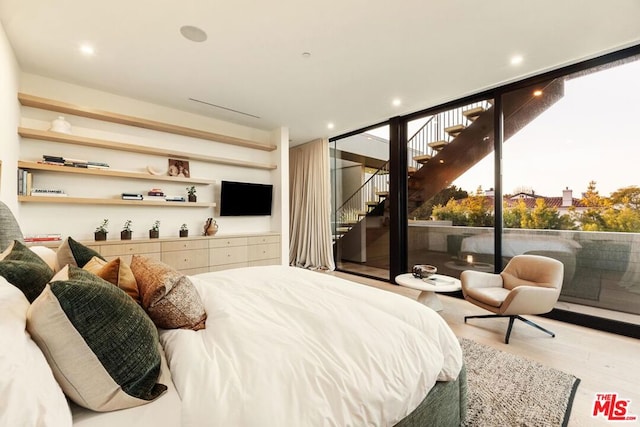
(102, 347)
(168, 296)
(74, 253)
(24, 270)
(117, 272)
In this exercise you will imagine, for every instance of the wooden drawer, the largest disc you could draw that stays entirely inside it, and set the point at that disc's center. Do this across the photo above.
(189, 259)
(259, 240)
(129, 249)
(181, 245)
(231, 255)
(266, 251)
(231, 241)
(127, 258)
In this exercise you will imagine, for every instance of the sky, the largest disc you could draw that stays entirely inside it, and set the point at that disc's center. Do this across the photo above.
(579, 139)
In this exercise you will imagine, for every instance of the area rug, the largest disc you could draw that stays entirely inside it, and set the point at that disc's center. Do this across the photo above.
(508, 390)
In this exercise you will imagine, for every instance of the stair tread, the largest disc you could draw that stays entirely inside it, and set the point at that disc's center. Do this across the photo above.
(422, 158)
(473, 113)
(373, 203)
(438, 145)
(451, 130)
(382, 193)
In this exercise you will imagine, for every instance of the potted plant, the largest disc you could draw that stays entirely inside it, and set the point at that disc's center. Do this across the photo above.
(125, 234)
(154, 232)
(184, 230)
(191, 191)
(101, 230)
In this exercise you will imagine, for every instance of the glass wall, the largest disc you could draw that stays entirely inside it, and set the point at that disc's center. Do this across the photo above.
(571, 186)
(450, 189)
(360, 214)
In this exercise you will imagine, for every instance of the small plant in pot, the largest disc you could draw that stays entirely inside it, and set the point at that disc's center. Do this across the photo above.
(101, 230)
(184, 231)
(191, 191)
(125, 234)
(154, 232)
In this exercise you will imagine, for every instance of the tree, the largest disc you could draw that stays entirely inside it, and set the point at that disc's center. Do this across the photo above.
(425, 211)
(515, 216)
(627, 196)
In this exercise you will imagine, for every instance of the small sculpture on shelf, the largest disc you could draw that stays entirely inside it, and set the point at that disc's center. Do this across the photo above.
(210, 227)
(101, 230)
(125, 234)
(184, 230)
(154, 232)
(191, 191)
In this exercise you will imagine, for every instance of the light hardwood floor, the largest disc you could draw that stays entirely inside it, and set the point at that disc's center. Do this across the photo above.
(604, 362)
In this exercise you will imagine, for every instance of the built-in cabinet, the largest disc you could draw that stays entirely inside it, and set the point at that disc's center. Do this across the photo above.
(198, 254)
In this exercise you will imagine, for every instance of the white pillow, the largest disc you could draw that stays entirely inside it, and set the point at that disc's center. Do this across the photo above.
(30, 394)
(48, 255)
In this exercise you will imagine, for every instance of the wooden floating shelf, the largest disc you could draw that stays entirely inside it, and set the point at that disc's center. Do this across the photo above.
(63, 107)
(109, 172)
(90, 201)
(64, 138)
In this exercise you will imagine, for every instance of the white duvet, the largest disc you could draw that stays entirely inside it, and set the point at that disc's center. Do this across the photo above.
(285, 346)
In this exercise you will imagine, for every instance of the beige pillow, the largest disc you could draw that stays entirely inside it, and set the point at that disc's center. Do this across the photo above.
(117, 272)
(168, 296)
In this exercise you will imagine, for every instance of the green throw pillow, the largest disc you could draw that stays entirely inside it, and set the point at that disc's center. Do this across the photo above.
(102, 347)
(25, 270)
(74, 253)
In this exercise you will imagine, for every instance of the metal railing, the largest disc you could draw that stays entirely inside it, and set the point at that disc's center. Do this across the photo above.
(356, 206)
(434, 132)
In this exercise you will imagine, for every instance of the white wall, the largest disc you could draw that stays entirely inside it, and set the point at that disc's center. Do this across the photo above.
(9, 119)
(80, 221)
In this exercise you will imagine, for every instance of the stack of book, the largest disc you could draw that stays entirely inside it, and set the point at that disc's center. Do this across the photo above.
(76, 163)
(131, 196)
(46, 192)
(43, 238)
(155, 194)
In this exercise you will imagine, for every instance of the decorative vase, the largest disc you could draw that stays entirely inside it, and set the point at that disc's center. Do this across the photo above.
(125, 235)
(193, 198)
(154, 234)
(210, 227)
(184, 233)
(100, 235)
(60, 125)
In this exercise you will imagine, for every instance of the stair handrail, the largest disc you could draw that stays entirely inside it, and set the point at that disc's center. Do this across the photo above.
(359, 204)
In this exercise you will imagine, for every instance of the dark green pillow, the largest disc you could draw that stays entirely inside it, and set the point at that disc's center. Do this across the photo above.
(102, 347)
(74, 253)
(25, 270)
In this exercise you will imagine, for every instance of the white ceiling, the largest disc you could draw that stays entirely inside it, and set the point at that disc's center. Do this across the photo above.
(363, 53)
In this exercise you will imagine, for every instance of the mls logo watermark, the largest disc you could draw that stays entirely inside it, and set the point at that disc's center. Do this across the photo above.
(612, 408)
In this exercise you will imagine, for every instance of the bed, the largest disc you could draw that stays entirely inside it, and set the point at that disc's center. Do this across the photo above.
(281, 346)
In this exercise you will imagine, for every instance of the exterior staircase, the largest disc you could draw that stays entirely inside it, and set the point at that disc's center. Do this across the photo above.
(443, 149)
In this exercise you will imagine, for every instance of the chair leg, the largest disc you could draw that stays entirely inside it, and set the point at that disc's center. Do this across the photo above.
(512, 318)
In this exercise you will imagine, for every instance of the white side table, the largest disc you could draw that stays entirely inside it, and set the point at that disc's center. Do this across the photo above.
(429, 287)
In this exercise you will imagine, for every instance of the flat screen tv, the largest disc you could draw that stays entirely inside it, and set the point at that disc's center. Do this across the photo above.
(245, 199)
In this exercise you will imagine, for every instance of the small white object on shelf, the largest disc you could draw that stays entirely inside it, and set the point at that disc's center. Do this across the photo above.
(60, 125)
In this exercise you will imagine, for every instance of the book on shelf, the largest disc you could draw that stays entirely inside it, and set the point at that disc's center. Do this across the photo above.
(43, 237)
(77, 163)
(174, 198)
(131, 196)
(25, 180)
(47, 192)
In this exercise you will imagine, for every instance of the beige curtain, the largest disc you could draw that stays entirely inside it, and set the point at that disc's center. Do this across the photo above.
(310, 206)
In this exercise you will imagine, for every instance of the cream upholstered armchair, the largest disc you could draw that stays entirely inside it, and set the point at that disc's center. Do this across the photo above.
(529, 284)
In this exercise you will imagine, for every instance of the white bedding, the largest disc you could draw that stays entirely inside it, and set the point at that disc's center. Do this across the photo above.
(290, 347)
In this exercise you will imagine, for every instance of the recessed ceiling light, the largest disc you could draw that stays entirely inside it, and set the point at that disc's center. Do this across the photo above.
(537, 92)
(192, 33)
(87, 50)
(516, 60)
(396, 102)
(330, 125)
(306, 55)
